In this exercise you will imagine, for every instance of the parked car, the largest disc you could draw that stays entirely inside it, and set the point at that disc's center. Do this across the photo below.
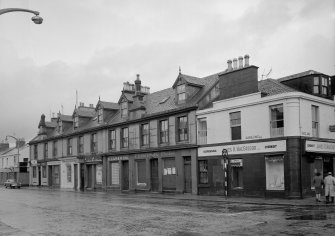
(12, 183)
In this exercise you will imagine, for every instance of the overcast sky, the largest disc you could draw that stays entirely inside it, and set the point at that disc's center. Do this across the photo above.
(93, 46)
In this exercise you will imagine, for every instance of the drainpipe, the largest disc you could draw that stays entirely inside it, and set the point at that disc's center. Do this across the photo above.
(301, 151)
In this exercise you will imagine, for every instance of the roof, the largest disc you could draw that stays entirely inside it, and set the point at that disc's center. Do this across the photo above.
(271, 87)
(50, 124)
(66, 118)
(109, 105)
(298, 75)
(85, 111)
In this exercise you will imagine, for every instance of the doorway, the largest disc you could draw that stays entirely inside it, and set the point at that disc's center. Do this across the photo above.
(169, 174)
(187, 175)
(75, 176)
(125, 175)
(154, 175)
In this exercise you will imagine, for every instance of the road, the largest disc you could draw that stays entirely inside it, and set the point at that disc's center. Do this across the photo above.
(29, 211)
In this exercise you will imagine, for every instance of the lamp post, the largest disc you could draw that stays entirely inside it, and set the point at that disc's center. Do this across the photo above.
(225, 163)
(18, 156)
(36, 19)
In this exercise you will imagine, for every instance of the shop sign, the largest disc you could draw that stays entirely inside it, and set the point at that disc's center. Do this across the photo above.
(51, 163)
(118, 158)
(146, 155)
(93, 159)
(245, 148)
(323, 147)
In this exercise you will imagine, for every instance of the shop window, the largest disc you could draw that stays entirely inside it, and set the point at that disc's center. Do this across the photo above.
(112, 139)
(182, 128)
(181, 93)
(277, 121)
(98, 174)
(34, 171)
(141, 171)
(274, 166)
(235, 125)
(44, 171)
(115, 172)
(315, 121)
(124, 138)
(164, 131)
(202, 131)
(203, 172)
(145, 134)
(236, 173)
(69, 173)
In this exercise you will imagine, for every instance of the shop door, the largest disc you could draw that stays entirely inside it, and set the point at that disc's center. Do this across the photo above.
(154, 175)
(89, 176)
(56, 175)
(39, 176)
(82, 176)
(75, 176)
(169, 174)
(50, 175)
(125, 175)
(187, 175)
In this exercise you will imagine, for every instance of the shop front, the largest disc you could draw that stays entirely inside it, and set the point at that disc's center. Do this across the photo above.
(253, 169)
(54, 174)
(70, 173)
(93, 172)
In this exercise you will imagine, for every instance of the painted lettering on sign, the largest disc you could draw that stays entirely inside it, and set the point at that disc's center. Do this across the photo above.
(254, 137)
(323, 147)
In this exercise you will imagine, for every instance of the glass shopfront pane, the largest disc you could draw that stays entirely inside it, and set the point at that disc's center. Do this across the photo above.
(115, 169)
(98, 173)
(274, 172)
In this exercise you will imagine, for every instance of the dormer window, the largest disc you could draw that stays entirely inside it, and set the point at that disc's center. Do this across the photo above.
(321, 85)
(181, 94)
(100, 115)
(76, 122)
(324, 86)
(60, 126)
(124, 109)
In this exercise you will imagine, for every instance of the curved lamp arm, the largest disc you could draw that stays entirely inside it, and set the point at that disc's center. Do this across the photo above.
(6, 10)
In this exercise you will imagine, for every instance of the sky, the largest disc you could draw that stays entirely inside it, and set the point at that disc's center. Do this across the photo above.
(94, 46)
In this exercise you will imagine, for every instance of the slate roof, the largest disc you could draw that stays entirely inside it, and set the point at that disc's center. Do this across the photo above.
(302, 74)
(50, 124)
(271, 87)
(109, 105)
(65, 118)
(85, 112)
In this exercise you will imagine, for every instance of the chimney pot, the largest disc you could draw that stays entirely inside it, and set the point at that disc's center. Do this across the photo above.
(235, 63)
(246, 60)
(230, 68)
(240, 62)
(91, 105)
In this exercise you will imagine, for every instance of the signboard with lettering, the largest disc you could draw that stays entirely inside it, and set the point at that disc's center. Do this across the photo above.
(322, 147)
(118, 158)
(245, 148)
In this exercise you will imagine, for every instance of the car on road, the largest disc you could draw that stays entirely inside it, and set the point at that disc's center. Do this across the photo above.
(12, 183)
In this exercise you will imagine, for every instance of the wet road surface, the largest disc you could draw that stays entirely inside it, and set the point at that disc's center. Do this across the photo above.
(54, 212)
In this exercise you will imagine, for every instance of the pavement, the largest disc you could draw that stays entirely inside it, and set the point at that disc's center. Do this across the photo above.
(307, 201)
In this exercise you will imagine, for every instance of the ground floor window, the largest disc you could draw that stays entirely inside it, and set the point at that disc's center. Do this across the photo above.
(69, 173)
(236, 173)
(203, 172)
(141, 171)
(115, 173)
(34, 171)
(44, 171)
(98, 174)
(274, 172)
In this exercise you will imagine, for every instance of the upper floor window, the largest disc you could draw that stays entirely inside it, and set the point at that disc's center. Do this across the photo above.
(124, 109)
(54, 148)
(76, 122)
(315, 121)
(182, 129)
(163, 131)
(81, 144)
(100, 115)
(46, 150)
(202, 131)
(35, 152)
(235, 125)
(277, 120)
(316, 85)
(69, 146)
(181, 93)
(321, 85)
(112, 139)
(324, 86)
(124, 138)
(145, 134)
(94, 145)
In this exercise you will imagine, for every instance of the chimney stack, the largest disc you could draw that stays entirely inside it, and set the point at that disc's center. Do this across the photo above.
(246, 60)
(91, 106)
(235, 63)
(137, 84)
(240, 62)
(230, 68)
(81, 104)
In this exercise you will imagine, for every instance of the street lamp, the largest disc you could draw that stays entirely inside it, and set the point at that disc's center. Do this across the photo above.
(36, 19)
(18, 156)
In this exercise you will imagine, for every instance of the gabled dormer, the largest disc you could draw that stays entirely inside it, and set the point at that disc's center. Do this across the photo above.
(105, 110)
(82, 115)
(186, 87)
(45, 128)
(64, 122)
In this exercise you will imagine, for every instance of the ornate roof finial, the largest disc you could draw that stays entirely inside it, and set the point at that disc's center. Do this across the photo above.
(179, 70)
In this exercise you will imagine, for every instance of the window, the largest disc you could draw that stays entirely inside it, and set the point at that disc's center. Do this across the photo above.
(100, 115)
(235, 125)
(324, 86)
(124, 138)
(316, 85)
(94, 145)
(112, 139)
(182, 128)
(69, 146)
(35, 152)
(277, 121)
(115, 169)
(98, 174)
(60, 126)
(163, 131)
(54, 150)
(274, 166)
(202, 131)
(69, 173)
(44, 171)
(315, 121)
(124, 109)
(203, 172)
(81, 144)
(46, 150)
(236, 173)
(141, 171)
(76, 122)
(181, 94)
(34, 171)
(145, 134)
